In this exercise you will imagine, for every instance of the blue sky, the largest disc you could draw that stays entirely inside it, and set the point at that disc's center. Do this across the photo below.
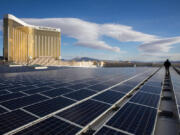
(145, 30)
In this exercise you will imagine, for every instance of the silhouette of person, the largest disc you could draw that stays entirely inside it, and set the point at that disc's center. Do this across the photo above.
(167, 64)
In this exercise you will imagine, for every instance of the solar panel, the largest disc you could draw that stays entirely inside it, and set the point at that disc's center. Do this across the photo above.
(60, 85)
(109, 96)
(84, 112)
(22, 88)
(98, 87)
(80, 94)
(2, 92)
(57, 92)
(153, 83)
(92, 82)
(16, 86)
(150, 89)
(135, 119)
(13, 120)
(151, 100)
(108, 131)
(2, 110)
(51, 126)
(49, 106)
(132, 83)
(23, 101)
(37, 90)
(11, 96)
(123, 88)
(78, 86)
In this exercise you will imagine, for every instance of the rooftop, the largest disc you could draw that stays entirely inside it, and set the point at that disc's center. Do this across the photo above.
(99, 101)
(12, 17)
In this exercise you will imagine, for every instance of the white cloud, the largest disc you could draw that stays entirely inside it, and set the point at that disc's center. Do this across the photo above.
(159, 46)
(125, 33)
(86, 33)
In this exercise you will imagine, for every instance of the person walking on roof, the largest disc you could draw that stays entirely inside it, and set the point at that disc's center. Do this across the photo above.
(167, 64)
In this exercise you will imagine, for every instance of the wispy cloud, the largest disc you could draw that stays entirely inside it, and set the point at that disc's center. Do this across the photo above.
(125, 33)
(86, 33)
(159, 45)
(89, 34)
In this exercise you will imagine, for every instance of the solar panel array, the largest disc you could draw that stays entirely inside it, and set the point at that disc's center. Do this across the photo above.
(138, 115)
(70, 97)
(175, 78)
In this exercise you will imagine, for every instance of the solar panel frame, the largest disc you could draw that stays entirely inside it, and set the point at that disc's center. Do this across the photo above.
(23, 101)
(109, 96)
(131, 124)
(51, 126)
(38, 90)
(49, 106)
(12, 120)
(123, 88)
(11, 96)
(2, 110)
(3, 92)
(84, 113)
(80, 94)
(98, 87)
(57, 92)
(150, 89)
(78, 86)
(151, 100)
(22, 88)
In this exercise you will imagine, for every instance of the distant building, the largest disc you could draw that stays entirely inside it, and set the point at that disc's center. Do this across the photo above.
(23, 42)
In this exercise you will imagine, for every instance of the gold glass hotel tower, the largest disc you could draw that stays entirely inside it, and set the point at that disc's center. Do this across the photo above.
(23, 42)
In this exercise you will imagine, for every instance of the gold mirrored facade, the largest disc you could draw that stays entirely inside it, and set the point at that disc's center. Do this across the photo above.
(23, 42)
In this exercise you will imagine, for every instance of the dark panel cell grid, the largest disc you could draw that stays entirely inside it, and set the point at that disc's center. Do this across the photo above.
(84, 112)
(123, 88)
(146, 99)
(134, 119)
(23, 101)
(49, 106)
(98, 87)
(57, 92)
(60, 85)
(78, 86)
(157, 84)
(22, 88)
(3, 92)
(11, 96)
(109, 96)
(80, 94)
(2, 110)
(36, 90)
(51, 126)
(13, 120)
(151, 89)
